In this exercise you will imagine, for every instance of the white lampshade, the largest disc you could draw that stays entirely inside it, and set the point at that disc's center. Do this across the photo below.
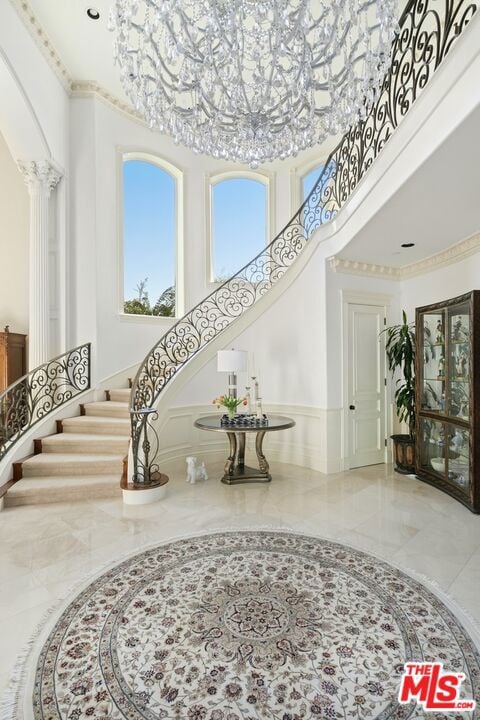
(231, 360)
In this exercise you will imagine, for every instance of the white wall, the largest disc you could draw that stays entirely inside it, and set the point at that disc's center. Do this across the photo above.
(34, 121)
(48, 101)
(99, 135)
(14, 224)
(441, 284)
(295, 350)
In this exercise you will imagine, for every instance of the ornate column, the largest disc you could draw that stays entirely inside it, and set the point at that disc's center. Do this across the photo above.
(41, 178)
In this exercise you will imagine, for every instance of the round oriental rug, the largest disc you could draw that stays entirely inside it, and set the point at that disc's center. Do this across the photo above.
(247, 626)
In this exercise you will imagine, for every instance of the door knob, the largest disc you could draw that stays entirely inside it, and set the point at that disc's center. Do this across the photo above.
(352, 407)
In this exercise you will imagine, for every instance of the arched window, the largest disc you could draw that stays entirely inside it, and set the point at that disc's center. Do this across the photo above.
(238, 223)
(309, 180)
(150, 238)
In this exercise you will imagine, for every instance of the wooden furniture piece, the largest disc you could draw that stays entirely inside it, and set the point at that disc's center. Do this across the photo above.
(448, 397)
(235, 469)
(13, 357)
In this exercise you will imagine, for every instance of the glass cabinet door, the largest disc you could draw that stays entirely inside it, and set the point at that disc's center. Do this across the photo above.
(458, 361)
(432, 446)
(459, 457)
(434, 362)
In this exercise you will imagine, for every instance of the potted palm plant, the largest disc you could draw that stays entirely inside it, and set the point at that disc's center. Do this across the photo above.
(400, 349)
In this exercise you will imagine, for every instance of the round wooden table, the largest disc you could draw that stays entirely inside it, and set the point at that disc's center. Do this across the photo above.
(235, 469)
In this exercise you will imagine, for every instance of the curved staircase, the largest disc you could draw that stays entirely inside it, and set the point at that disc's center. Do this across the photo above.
(83, 460)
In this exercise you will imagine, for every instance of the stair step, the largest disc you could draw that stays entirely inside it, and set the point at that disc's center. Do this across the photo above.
(107, 408)
(98, 425)
(122, 395)
(72, 464)
(69, 442)
(64, 488)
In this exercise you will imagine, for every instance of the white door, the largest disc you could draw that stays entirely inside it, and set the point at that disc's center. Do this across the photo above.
(366, 426)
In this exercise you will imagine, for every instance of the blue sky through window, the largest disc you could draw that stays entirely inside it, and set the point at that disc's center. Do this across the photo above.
(149, 228)
(239, 223)
(309, 180)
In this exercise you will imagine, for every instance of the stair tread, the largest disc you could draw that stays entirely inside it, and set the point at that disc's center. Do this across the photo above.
(102, 419)
(58, 458)
(65, 438)
(43, 490)
(59, 479)
(107, 408)
(112, 404)
(122, 392)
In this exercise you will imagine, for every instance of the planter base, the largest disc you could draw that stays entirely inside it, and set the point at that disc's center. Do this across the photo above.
(404, 453)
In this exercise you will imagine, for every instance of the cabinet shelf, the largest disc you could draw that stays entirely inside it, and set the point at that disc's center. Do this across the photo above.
(447, 446)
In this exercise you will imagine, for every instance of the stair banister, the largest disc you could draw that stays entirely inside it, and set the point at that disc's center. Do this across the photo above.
(41, 392)
(428, 30)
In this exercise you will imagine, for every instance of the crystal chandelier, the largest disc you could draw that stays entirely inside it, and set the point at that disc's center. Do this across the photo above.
(252, 80)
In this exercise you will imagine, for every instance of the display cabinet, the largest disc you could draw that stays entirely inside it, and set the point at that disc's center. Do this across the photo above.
(13, 357)
(448, 397)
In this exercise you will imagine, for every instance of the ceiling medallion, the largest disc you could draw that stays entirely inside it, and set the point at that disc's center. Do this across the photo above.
(252, 80)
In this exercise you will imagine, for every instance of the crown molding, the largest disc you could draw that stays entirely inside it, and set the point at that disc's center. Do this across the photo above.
(356, 267)
(74, 88)
(453, 254)
(80, 89)
(42, 41)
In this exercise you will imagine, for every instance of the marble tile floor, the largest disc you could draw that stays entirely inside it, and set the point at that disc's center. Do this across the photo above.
(47, 550)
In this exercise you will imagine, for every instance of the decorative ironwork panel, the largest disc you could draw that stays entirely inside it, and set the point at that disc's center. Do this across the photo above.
(42, 391)
(428, 30)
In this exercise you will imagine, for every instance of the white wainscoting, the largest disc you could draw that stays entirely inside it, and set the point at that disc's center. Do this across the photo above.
(315, 442)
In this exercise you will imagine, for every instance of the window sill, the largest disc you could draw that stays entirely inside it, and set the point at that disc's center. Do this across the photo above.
(155, 319)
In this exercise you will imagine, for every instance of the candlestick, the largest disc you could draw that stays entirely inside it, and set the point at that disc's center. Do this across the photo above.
(247, 398)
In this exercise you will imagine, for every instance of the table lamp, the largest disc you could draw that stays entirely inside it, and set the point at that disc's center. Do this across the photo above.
(232, 361)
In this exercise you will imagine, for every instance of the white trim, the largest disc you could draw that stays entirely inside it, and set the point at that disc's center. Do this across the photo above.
(125, 155)
(144, 497)
(312, 443)
(43, 148)
(453, 254)
(360, 297)
(212, 179)
(43, 43)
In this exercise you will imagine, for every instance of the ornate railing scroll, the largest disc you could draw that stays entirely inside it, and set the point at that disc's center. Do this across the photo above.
(41, 392)
(428, 30)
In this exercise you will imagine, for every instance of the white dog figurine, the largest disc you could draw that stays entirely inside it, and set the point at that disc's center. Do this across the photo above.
(191, 470)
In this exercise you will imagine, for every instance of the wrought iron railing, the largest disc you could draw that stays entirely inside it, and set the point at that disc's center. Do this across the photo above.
(41, 392)
(428, 30)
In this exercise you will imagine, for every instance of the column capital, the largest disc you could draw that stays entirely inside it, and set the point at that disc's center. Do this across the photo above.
(39, 175)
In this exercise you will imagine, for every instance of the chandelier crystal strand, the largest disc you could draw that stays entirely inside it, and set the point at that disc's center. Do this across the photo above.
(252, 80)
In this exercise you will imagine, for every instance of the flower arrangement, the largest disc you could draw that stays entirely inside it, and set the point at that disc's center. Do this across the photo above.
(230, 403)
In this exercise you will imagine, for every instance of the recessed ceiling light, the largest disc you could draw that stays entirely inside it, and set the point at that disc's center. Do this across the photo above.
(408, 244)
(93, 13)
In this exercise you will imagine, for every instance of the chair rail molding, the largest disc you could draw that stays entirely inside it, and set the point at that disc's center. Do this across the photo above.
(314, 442)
